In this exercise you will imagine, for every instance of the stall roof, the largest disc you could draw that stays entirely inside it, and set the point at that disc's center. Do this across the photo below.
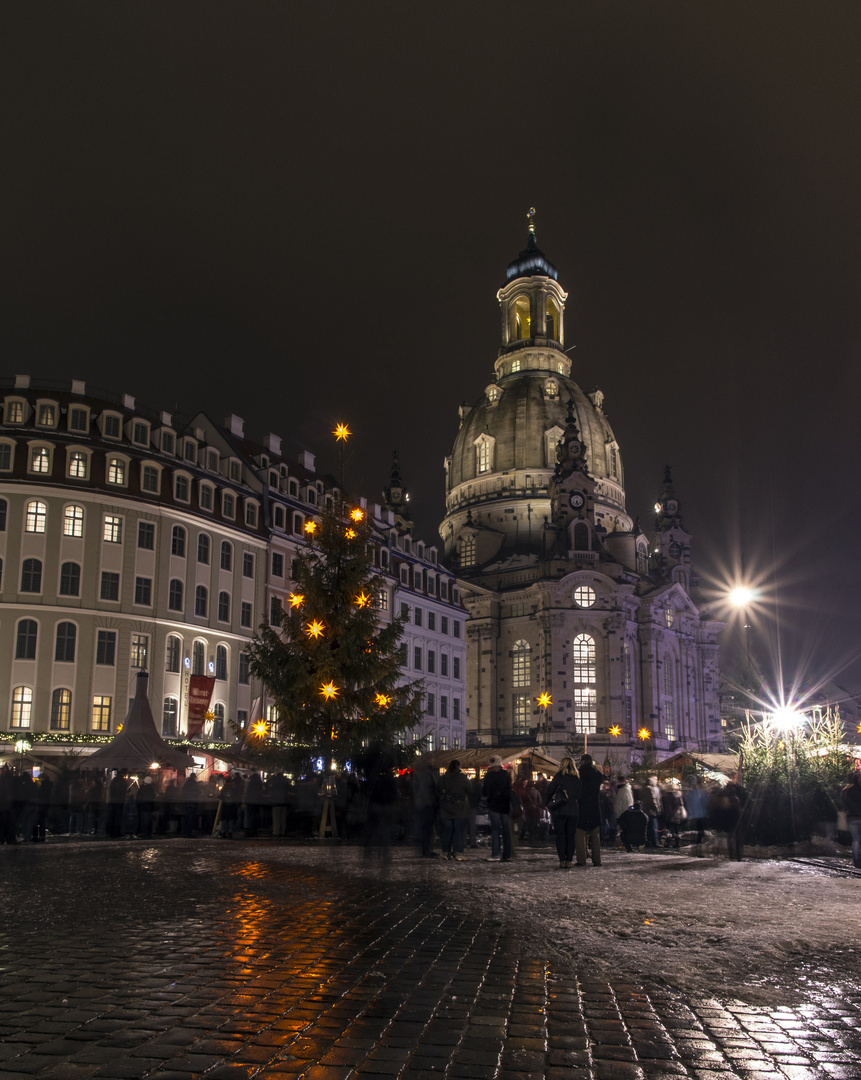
(720, 763)
(479, 757)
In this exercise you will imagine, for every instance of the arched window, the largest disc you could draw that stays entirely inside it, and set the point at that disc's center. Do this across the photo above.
(483, 455)
(203, 548)
(198, 658)
(221, 662)
(521, 319)
(201, 601)
(226, 555)
(78, 465)
(218, 722)
(581, 536)
(116, 471)
(31, 576)
(584, 678)
(25, 639)
(172, 649)
(61, 710)
(36, 518)
(521, 655)
(552, 320)
(67, 635)
(169, 713)
(73, 521)
(70, 579)
(174, 595)
(224, 607)
(467, 551)
(22, 707)
(177, 541)
(627, 686)
(40, 460)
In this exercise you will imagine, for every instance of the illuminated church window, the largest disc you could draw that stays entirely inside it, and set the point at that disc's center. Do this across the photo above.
(520, 657)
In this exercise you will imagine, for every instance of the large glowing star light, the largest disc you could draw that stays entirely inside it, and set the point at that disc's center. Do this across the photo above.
(329, 691)
(342, 432)
(383, 700)
(544, 700)
(259, 729)
(362, 600)
(357, 514)
(350, 534)
(296, 599)
(644, 733)
(310, 527)
(314, 629)
(615, 730)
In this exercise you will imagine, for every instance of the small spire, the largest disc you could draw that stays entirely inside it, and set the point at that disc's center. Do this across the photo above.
(530, 217)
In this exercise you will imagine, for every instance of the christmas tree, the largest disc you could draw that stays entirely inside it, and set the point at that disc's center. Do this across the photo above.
(332, 667)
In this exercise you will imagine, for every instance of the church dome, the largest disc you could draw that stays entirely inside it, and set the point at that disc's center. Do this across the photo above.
(531, 260)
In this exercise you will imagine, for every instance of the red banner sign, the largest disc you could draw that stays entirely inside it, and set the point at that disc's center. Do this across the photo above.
(200, 689)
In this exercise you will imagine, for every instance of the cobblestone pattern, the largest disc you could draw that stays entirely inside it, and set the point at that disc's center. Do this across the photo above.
(177, 962)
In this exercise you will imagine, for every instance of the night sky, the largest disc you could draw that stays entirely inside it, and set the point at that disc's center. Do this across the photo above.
(301, 213)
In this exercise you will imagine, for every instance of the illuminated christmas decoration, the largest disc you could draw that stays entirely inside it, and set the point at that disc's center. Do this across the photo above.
(615, 730)
(259, 729)
(350, 534)
(295, 600)
(357, 514)
(314, 629)
(342, 432)
(644, 734)
(383, 700)
(362, 600)
(544, 700)
(329, 691)
(310, 527)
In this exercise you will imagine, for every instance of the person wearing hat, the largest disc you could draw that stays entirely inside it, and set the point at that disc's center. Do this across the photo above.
(497, 790)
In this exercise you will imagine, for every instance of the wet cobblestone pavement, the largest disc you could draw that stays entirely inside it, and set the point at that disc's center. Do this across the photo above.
(181, 959)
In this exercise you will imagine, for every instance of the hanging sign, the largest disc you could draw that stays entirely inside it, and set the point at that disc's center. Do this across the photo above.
(200, 689)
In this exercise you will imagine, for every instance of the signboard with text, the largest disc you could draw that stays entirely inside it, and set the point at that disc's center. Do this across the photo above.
(200, 689)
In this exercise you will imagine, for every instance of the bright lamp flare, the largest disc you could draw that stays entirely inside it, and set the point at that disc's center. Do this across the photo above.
(544, 700)
(342, 432)
(615, 730)
(741, 596)
(314, 629)
(357, 514)
(329, 691)
(787, 719)
(644, 733)
(310, 527)
(296, 599)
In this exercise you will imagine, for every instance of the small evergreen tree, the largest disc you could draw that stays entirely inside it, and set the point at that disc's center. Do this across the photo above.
(331, 666)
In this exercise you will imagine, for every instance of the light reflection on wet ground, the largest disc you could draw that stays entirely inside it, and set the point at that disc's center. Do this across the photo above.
(173, 959)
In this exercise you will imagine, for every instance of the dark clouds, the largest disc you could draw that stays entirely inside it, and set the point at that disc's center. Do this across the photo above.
(302, 213)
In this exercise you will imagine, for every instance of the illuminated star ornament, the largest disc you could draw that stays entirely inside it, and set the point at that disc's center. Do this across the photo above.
(296, 599)
(329, 691)
(314, 628)
(259, 728)
(644, 733)
(357, 514)
(350, 534)
(342, 432)
(362, 600)
(615, 730)
(310, 527)
(544, 700)
(383, 700)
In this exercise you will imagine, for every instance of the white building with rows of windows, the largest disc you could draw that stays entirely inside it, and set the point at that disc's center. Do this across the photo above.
(582, 630)
(129, 542)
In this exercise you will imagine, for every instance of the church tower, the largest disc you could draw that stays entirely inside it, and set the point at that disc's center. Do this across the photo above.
(578, 633)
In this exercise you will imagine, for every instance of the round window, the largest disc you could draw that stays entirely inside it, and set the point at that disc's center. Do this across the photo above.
(584, 596)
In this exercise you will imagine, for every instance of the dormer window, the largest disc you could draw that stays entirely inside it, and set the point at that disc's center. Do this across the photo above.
(140, 433)
(212, 460)
(190, 450)
(14, 412)
(79, 418)
(515, 366)
(205, 496)
(47, 415)
(467, 551)
(111, 426)
(293, 488)
(235, 472)
(551, 388)
(493, 394)
(312, 496)
(484, 454)
(167, 442)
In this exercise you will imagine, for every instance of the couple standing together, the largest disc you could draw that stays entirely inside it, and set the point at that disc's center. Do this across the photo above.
(573, 799)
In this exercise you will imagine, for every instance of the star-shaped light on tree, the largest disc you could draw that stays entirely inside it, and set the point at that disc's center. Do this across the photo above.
(314, 628)
(644, 734)
(383, 700)
(342, 432)
(544, 700)
(350, 534)
(329, 691)
(296, 600)
(362, 600)
(259, 729)
(615, 730)
(357, 514)
(310, 527)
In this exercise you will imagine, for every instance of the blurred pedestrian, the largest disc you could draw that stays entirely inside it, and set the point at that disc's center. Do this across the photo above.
(563, 795)
(425, 799)
(496, 789)
(190, 799)
(588, 834)
(696, 803)
(75, 806)
(116, 801)
(652, 805)
(674, 813)
(145, 799)
(850, 796)
(279, 798)
(453, 811)
(633, 823)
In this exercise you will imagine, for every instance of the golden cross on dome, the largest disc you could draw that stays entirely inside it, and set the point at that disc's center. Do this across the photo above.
(530, 217)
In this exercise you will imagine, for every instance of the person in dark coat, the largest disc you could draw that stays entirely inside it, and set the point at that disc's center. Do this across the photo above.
(589, 823)
(850, 796)
(565, 809)
(454, 811)
(146, 807)
(497, 790)
(424, 796)
(633, 823)
(116, 800)
(726, 808)
(190, 797)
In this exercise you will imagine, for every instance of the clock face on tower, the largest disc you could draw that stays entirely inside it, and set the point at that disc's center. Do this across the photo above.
(577, 500)
(672, 506)
(574, 448)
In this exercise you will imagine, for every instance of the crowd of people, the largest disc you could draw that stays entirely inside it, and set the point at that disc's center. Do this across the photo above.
(582, 808)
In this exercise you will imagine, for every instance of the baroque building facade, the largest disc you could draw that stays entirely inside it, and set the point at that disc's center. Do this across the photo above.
(582, 630)
(129, 542)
